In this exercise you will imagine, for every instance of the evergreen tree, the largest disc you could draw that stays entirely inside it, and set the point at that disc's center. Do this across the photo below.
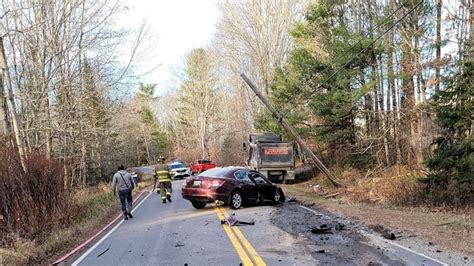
(160, 143)
(453, 158)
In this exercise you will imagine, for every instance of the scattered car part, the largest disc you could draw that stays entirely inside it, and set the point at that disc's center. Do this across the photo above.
(231, 221)
(323, 229)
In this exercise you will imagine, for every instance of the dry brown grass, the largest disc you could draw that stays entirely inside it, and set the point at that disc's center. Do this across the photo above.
(93, 207)
(402, 189)
(396, 186)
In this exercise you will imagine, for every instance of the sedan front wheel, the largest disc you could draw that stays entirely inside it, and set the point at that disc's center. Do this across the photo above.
(278, 197)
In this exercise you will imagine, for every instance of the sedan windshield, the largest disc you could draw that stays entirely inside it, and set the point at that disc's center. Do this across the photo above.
(216, 172)
(177, 165)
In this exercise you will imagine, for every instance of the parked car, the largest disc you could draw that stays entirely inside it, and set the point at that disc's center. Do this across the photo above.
(179, 170)
(234, 186)
(199, 166)
(135, 178)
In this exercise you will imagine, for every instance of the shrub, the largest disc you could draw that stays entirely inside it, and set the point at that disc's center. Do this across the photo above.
(31, 201)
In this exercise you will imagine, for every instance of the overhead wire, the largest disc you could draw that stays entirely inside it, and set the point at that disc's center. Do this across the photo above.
(366, 48)
(371, 43)
(385, 21)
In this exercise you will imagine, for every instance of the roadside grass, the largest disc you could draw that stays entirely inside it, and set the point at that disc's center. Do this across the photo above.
(394, 186)
(90, 208)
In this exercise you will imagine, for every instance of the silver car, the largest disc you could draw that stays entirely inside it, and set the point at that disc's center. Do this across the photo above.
(179, 170)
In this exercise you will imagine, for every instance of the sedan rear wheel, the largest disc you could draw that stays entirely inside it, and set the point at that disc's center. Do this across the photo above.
(198, 204)
(236, 200)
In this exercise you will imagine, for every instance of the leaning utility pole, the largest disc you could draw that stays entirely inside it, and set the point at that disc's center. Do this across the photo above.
(292, 132)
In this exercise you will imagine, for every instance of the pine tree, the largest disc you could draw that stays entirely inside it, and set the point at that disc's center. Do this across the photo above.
(453, 158)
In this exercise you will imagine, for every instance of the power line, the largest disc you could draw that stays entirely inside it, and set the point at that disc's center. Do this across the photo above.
(365, 49)
(387, 19)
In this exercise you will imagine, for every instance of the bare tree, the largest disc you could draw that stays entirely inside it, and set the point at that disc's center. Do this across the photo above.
(254, 36)
(65, 63)
(198, 100)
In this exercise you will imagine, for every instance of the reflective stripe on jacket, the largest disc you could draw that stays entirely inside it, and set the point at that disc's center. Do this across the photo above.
(163, 173)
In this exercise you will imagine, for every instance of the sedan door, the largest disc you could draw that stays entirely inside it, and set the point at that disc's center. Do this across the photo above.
(245, 183)
(264, 186)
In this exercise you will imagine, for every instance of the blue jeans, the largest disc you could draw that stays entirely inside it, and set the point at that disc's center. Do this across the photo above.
(126, 195)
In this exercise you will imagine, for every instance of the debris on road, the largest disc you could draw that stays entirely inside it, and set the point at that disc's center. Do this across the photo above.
(385, 233)
(323, 229)
(318, 189)
(290, 199)
(103, 252)
(340, 226)
(231, 221)
(321, 251)
(389, 235)
(444, 224)
(178, 245)
(333, 195)
(377, 228)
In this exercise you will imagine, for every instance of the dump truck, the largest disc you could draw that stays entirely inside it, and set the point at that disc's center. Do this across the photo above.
(271, 156)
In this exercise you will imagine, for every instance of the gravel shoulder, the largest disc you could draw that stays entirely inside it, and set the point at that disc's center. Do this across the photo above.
(444, 236)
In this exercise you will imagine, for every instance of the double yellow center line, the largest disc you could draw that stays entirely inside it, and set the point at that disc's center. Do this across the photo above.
(246, 252)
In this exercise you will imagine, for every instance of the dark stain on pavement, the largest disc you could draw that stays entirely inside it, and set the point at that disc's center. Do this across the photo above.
(343, 246)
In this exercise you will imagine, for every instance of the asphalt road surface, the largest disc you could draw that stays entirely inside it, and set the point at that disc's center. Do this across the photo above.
(177, 234)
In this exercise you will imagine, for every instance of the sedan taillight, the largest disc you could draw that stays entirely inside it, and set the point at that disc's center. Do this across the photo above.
(216, 184)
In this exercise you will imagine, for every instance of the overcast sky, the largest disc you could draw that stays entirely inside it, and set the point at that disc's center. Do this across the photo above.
(178, 26)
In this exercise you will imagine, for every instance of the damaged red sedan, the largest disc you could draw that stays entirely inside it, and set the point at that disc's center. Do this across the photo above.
(233, 186)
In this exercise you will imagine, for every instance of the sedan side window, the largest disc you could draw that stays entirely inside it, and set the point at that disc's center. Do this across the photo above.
(259, 179)
(242, 175)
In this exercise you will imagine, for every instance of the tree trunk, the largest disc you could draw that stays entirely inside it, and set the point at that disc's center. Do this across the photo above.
(383, 113)
(11, 105)
(438, 44)
(470, 56)
(407, 102)
(4, 124)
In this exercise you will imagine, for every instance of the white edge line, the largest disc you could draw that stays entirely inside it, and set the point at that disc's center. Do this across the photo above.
(395, 244)
(417, 253)
(76, 262)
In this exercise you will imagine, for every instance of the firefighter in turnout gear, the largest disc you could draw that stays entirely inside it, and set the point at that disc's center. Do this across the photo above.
(163, 176)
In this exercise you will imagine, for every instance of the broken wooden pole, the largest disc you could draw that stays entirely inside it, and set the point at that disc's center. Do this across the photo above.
(291, 131)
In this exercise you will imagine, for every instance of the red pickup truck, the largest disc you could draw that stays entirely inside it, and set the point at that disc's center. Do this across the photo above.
(199, 166)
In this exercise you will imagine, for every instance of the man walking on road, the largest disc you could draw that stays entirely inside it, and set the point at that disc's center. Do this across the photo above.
(123, 182)
(162, 174)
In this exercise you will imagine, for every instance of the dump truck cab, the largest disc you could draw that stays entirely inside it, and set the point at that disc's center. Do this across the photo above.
(271, 156)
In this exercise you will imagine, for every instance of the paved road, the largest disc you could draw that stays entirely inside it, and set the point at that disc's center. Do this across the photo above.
(177, 234)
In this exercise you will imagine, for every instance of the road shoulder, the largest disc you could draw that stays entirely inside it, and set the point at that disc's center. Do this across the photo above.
(443, 236)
